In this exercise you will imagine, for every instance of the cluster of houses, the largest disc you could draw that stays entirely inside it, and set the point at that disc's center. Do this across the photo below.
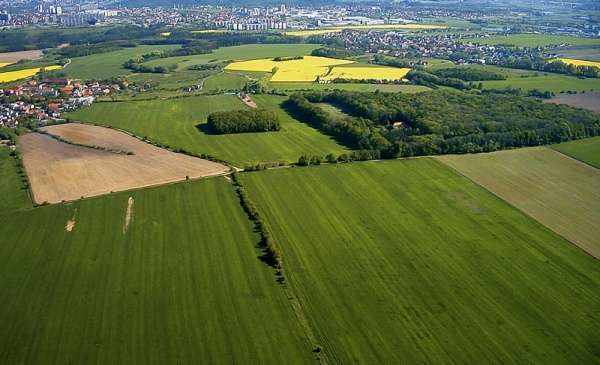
(43, 101)
(454, 47)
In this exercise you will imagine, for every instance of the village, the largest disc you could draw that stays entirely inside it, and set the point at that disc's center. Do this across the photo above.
(37, 103)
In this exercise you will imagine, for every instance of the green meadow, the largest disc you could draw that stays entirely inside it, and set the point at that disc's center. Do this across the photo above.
(12, 195)
(586, 150)
(179, 124)
(409, 262)
(180, 284)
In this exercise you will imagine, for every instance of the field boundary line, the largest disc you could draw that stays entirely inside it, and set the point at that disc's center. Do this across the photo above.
(571, 157)
(515, 207)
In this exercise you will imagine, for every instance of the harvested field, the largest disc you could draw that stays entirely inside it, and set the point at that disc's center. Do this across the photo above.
(589, 100)
(12, 57)
(59, 171)
(558, 191)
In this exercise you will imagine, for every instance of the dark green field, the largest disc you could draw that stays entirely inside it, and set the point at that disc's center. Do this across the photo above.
(586, 150)
(12, 196)
(181, 285)
(408, 262)
(175, 122)
(107, 65)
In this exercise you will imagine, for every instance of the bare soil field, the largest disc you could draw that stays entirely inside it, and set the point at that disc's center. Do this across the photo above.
(589, 100)
(60, 171)
(11, 57)
(556, 190)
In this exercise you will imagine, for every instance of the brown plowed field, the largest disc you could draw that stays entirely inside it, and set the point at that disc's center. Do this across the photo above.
(62, 172)
(11, 57)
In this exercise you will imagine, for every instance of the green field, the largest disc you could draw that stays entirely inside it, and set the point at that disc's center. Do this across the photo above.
(225, 81)
(536, 40)
(586, 150)
(183, 284)
(409, 262)
(545, 82)
(175, 122)
(554, 189)
(107, 65)
(245, 52)
(12, 196)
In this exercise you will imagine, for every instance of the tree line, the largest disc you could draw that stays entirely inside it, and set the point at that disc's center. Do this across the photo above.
(441, 121)
(539, 63)
(243, 121)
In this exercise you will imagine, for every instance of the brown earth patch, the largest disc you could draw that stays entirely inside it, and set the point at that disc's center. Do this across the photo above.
(128, 214)
(588, 100)
(60, 171)
(11, 57)
(246, 99)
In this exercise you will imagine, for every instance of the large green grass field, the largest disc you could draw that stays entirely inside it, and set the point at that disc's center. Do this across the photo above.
(12, 196)
(556, 190)
(586, 150)
(537, 40)
(107, 65)
(409, 262)
(245, 52)
(181, 285)
(175, 122)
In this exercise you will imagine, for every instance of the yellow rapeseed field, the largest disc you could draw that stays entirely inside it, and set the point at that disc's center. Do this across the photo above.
(367, 73)
(165, 34)
(23, 74)
(572, 61)
(309, 32)
(306, 69)
(2, 64)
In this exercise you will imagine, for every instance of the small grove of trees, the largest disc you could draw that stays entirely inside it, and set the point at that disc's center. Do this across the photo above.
(243, 121)
(433, 81)
(282, 59)
(468, 74)
(333, 53)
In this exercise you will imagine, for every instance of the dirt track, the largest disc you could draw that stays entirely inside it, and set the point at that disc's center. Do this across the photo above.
(59, 171)
(11, 57)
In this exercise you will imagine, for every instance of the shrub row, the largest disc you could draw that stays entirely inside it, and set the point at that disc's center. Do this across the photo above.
(271, 253)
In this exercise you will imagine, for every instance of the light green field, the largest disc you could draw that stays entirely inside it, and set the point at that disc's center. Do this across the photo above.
(586, 150)
(295, 86)
(176, 123)
(556, 190)
(12, 196)
(225, 81)
(182, 285)
(107, 65)
(409, 262)
(536, 40)
(245, 52)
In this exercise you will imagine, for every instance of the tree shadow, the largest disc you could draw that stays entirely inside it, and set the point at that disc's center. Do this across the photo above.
(206, 129)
